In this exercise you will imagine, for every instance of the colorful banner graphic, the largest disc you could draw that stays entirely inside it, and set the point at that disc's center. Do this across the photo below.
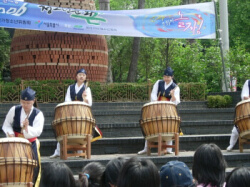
(187, 21)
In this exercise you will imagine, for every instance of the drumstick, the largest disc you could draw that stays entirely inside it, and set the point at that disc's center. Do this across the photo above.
(26, 128)
(86, 86)
(158, 96)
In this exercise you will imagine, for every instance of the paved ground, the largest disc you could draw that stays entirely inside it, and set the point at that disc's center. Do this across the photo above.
(111, 156)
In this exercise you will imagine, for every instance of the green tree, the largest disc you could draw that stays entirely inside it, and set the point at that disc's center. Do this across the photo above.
(239, 60)
(5, 42)
(239, 25)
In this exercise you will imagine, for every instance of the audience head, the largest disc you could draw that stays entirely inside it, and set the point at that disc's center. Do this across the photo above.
(91, 174)
(239, 177)
(57, 174)
(110, 175)
(138, 172)
(176, 174)
(209, 165)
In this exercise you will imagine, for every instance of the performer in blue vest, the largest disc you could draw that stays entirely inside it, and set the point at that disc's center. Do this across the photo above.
(26, 121)
(77, 92)
(245, 95)
(165, 90)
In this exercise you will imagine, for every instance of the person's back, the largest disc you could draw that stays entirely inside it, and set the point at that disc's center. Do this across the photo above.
(239, 177)
(111, 173)
(57, 175)
(138, 172)
(91, 175)
(209, 166)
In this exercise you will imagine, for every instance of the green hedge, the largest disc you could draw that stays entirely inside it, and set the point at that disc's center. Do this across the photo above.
(54, 91)
(218, 101)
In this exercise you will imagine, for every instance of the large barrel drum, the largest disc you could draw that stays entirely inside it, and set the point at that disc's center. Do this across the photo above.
(73, 119)
(159, 117)
(242, 118)
(17, 162)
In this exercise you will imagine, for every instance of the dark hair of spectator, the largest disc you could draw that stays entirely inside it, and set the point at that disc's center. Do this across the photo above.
(209, 165)
(138, 172)
(91, 174)
(112, 171)
(239, 177)
(57, 175)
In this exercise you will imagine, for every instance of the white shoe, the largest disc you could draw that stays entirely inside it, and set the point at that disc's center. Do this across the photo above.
(54, 155)
(168, 152)
(229, 148)
(144, 151)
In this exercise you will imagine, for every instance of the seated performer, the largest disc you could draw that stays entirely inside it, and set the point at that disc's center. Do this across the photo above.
(245, 95)
(165, 90)
(77, 92)
(26, 121)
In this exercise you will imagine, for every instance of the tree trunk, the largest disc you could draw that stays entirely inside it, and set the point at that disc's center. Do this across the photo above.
(135, 52)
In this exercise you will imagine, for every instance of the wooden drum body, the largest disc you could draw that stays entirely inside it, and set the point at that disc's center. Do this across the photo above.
(17, 162)
(159, 117)
(73, 119)
(242, 118)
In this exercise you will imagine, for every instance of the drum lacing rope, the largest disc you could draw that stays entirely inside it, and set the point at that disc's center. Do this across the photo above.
(5, 159)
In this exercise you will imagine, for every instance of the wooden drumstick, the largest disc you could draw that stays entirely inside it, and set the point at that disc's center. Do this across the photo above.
(26, 128)
(86, 86)
(158, 96)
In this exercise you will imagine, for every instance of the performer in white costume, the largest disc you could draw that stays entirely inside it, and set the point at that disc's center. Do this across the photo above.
(165, 90)
(76, 92)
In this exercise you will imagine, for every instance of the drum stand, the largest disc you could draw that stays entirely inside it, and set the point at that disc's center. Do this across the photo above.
(65, 147)
(161, 145)
(243, 140)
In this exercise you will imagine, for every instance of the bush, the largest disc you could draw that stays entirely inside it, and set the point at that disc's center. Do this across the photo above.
(54, 91)
(218, 101)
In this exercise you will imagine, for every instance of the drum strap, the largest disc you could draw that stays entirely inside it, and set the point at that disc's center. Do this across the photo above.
(20, 135)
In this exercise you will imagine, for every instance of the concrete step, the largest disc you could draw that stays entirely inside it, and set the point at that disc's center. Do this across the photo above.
(133, 129)
(234, 159)
(128, 145)
(133, 116)
(131, 112)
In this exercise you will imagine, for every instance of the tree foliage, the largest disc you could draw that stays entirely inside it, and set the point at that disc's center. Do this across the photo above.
(4, 48)
(239, 25)
(192, 62)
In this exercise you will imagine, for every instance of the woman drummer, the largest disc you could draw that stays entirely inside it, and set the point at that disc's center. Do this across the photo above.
(165, 90)
(77, 92)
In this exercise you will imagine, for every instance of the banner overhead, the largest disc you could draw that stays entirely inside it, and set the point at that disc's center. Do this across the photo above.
(193, 21)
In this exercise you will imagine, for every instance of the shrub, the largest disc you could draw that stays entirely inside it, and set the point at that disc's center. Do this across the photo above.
(218, 101)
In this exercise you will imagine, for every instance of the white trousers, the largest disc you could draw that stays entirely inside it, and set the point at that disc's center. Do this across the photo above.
(234, 137)
(168, 143)
(57, 150)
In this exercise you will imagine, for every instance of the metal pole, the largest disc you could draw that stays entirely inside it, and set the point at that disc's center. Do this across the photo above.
(221, 47)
